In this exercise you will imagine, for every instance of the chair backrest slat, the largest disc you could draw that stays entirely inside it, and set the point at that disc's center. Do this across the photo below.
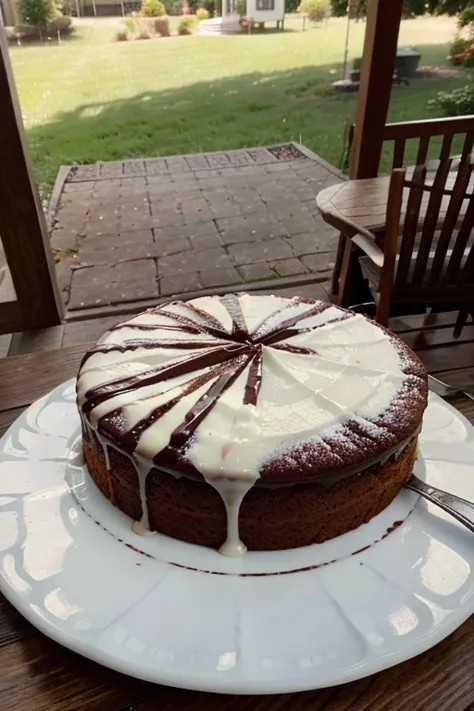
(468, 144)
(392, 227)
(445, 151)
(431, 220)
(398, 152)
(454, 265)
(411, 223)
(423, 146)
(467, 274)
(441, 265)
(452, 215)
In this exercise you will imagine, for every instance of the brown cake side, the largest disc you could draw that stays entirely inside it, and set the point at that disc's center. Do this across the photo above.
(274, 518)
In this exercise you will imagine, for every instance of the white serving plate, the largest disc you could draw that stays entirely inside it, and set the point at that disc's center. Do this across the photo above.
(178, 614)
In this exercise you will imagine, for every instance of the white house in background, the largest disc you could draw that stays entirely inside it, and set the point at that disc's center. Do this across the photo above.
(258, 11)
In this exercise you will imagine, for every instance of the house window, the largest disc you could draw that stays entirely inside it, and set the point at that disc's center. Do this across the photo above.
(265, 4)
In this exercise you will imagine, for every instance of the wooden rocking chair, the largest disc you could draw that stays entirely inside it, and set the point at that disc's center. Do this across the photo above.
(432, 264)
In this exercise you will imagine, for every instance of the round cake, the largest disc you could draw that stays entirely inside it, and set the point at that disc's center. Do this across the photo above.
(254, 422)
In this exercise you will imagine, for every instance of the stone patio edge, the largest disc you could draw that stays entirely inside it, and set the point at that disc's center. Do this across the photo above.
(317, 159)
(137, 306)
(59, 183)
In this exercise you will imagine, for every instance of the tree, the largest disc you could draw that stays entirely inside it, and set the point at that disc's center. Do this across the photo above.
(412, 8)
(451, 7)
(38, 13)
(339, 8)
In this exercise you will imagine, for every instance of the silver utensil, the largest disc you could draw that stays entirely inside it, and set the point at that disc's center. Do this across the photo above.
(445, 390)
(460, 509)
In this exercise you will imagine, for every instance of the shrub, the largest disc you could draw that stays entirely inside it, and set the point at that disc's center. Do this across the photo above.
(143, 35)
(291, 5)
(240, 7)
(145, 25)
(153, 8)
(202, 14)
(161, 26)
(458, 47)
(186, 25)
(121, 36)
(130, 24)
(458, 102)
(25, 30)
(316, 10)
(38, 12)
(461, 52)
(62, 23)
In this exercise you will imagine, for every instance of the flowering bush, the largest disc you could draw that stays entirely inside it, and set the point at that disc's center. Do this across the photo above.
(459, 102)
(462, 47)
(461, 51)
(202, 13)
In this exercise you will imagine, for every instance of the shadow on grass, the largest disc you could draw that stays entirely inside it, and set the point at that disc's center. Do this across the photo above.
(247, 110)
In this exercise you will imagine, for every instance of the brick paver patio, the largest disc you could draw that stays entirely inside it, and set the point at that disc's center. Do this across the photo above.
(137, 230)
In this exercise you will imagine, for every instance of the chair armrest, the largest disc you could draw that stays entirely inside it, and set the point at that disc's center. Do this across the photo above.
(370, 248)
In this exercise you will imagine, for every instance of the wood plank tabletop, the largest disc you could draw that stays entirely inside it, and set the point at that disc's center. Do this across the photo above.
(40, 675)
(363, 203)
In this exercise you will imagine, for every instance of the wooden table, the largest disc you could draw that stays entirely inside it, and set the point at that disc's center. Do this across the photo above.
(37, 674)
(359, 207)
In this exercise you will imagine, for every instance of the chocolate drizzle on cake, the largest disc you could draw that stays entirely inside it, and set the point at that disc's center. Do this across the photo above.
(254, 378)
(223, 355)
(202, 407)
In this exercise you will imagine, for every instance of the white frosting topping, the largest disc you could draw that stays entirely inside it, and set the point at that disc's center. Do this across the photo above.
(330, 367)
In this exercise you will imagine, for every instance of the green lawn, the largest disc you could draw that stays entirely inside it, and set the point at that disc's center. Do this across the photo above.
(91, 98)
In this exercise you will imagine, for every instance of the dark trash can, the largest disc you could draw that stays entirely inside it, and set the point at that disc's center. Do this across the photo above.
(407, 61)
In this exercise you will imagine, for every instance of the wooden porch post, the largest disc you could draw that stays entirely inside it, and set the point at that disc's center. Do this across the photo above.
(378, 62)
(22, 224)
(373, 98)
